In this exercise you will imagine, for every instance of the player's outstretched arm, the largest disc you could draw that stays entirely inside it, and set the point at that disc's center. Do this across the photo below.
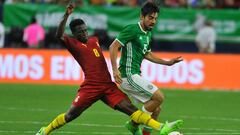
(113, 49)
(153, 58)
(61, 26)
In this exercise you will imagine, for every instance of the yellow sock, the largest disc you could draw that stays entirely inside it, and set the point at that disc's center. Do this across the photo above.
(143, 118)
(56, 123)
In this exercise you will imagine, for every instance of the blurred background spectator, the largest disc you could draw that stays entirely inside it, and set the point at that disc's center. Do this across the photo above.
(14, 39)
(206, 38)
(34, 34)
(166, 3)
(199, 22)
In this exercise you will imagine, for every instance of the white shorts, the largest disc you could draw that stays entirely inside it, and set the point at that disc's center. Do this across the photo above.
(138, 88)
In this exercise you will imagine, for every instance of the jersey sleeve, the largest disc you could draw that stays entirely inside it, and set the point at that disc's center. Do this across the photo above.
(126, 35)
(96, 40)
(69, 43)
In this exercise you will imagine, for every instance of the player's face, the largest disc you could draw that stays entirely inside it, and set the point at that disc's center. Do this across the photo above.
(149, 21)
(80, 33)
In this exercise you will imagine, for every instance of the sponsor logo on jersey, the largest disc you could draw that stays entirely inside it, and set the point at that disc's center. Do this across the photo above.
(150, 87)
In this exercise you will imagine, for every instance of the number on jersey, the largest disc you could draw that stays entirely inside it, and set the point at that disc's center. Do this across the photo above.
(95, 51)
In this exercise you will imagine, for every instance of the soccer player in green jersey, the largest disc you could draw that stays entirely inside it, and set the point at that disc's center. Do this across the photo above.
(134, 43)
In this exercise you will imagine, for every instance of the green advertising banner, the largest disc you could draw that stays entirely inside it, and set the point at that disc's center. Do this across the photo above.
(173, 24)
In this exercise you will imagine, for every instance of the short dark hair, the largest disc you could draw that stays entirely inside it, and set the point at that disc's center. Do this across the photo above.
(149, 8)
(208, 23)
(33, 20)
(75, 22)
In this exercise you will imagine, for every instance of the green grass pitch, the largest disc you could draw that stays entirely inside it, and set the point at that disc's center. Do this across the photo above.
(25, 108)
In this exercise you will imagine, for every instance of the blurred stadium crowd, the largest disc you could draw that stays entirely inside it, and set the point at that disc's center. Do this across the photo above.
(16, 37)
(165, 3)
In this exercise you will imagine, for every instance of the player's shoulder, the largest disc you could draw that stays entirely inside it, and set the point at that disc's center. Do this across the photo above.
(93, 38)
(131, 26)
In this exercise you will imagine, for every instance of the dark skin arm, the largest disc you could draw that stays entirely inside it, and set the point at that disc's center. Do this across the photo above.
(62, 24)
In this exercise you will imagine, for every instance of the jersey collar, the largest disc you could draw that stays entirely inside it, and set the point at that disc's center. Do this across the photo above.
(139, 24)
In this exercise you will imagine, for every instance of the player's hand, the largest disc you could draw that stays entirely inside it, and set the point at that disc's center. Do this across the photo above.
(70, 8)
(117, 76)
(175, 60)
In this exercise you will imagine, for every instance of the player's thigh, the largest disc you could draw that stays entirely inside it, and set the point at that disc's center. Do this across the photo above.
(113, 95)
(86, 97)
(138, 88)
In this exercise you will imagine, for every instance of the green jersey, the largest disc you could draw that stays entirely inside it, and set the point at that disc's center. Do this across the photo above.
(135, 44)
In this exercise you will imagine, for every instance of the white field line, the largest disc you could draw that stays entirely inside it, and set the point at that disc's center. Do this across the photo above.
(211, 133)
(110, 133)
(113, 126)
(108, 113)
(211, 118)
(73, 124)
(213, 129)
(49, 110)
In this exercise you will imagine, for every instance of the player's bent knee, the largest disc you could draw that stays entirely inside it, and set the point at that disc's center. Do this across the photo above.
(157, 110)
(158, 97)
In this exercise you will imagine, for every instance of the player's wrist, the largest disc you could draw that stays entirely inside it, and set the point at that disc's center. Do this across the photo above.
(171, 62)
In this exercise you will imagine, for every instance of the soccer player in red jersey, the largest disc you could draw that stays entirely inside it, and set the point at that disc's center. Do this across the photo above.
(98, 84)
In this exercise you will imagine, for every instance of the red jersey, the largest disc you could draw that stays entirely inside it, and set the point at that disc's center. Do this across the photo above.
(90, 58)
